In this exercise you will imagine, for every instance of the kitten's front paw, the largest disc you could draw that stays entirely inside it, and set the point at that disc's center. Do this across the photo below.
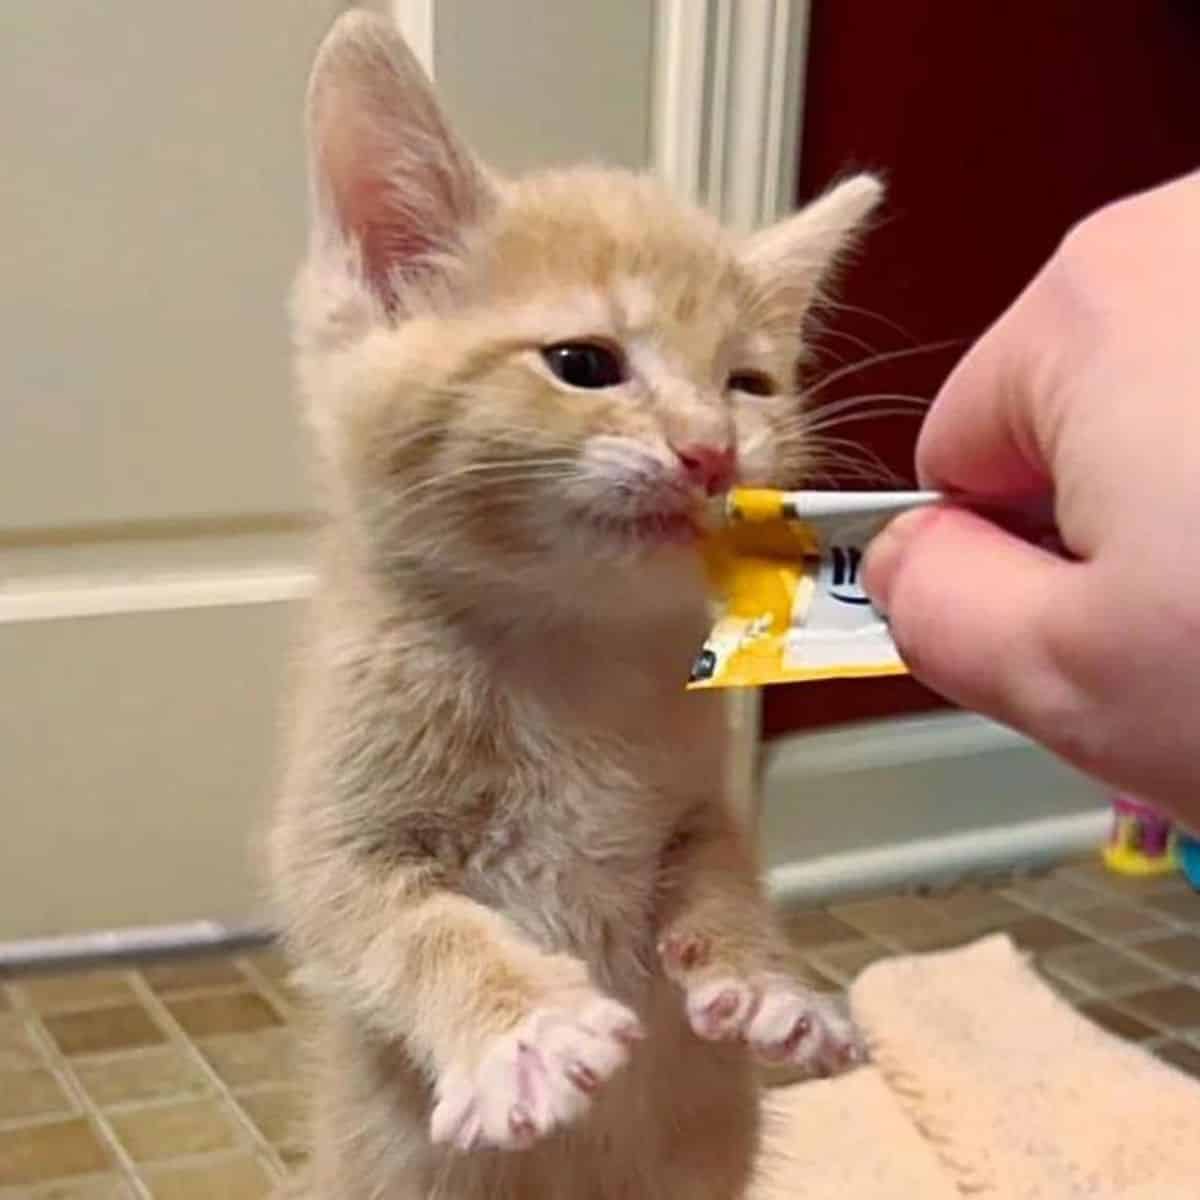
(535, 1078)
(783, 1022)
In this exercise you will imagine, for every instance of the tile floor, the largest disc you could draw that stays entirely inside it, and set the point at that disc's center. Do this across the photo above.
(175, 1080)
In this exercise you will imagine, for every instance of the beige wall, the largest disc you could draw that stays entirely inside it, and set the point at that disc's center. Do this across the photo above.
(532, 83)
(151, 496)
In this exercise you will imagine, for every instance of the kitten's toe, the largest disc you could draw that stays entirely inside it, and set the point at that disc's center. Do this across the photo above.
(456, 1121)
(795, 1026)
(780, 1020)
(721, 1008)
(539, 1076)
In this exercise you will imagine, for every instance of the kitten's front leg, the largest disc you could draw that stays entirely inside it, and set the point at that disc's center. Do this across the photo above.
(516, 1040)
(720, 942)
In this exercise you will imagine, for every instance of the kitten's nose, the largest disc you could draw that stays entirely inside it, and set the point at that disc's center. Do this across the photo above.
(708, 467)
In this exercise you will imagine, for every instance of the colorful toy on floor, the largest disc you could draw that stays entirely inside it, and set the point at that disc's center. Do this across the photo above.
(1142, 842)
(1187, 847)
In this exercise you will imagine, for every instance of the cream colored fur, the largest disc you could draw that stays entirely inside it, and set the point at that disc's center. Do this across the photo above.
(537, 944)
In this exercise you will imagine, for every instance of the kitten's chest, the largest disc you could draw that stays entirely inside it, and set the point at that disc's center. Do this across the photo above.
(611, 762)
(577, 865)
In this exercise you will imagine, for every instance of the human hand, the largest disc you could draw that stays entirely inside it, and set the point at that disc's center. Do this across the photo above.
(1085, 394)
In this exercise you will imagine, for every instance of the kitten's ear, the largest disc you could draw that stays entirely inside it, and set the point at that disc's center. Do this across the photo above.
(390, 181)
(792, 258)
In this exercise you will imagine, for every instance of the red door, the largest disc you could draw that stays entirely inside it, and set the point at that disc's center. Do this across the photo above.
(996, 126)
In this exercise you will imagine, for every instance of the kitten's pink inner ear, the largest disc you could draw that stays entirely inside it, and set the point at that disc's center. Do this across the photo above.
(793, 257)
(368, 210)
(388, 173)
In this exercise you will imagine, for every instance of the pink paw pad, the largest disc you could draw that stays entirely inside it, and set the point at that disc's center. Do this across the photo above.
(719, 1010)
(781, 1021)
(684, 951)
(534, 1079)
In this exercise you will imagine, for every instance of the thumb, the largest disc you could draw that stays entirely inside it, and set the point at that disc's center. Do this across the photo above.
(975, 613)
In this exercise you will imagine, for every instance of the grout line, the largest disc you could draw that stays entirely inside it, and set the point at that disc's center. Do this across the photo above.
(1119, 996)
(64, 1072)
(180, 1036)
(268, 987)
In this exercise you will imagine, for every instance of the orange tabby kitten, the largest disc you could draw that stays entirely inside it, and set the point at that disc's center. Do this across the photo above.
(535, 936)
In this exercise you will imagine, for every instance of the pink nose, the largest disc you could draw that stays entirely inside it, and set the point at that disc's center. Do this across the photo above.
(708, 467)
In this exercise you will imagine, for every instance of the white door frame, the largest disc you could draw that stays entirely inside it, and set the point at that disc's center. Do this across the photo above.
(725, 132)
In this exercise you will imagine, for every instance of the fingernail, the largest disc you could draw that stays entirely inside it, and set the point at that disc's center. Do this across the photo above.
(885, 552)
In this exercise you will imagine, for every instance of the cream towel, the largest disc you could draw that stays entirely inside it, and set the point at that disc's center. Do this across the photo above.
(984, 1083)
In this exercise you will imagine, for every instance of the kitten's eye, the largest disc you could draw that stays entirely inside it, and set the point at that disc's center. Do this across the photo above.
(753, 383)
(586, 364)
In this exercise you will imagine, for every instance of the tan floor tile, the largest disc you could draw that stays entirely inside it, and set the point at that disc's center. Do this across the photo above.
(1176, 1006)
(80, 1187)
(233, 1012)
(233, 1179)
(186, 974)
(1184, 906)
(272, 962)
(40, 1153)
(74, 990)
(1096, 874)
(1115, 1021)
(1072, 993)
(889, 915)
(168, 1131)
(290, 1000)
(1056, 894)
(33, 1093)
(156, 1074)
(17, 1048)
(1180, 953)
(1118, 921)
(928, 941)
(293, 1160)
(278, 1115)
(1181, 1055)
(1100, 967)
(5, 1001)
(100, 1030)
(981, 908)
(844, 962)
(1039, 934)
(243, 1060)
(816, 928)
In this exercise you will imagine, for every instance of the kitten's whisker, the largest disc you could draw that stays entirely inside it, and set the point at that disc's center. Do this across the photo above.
(842, 335)
(831, 305)
(841, 453)
(517, 469)
(857, 418)
(877, 359)
(849, 402)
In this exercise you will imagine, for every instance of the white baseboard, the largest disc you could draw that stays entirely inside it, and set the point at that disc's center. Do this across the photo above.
(192, 937)
(925, 800)
(938, 861)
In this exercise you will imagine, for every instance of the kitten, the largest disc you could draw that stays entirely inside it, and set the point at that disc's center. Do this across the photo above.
(539, 952)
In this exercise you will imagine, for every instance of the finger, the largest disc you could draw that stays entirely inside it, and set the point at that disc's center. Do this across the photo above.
(975, 612)
(986, 431)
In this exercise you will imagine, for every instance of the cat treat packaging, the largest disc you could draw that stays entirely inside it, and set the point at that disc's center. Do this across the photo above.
(785, 570)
